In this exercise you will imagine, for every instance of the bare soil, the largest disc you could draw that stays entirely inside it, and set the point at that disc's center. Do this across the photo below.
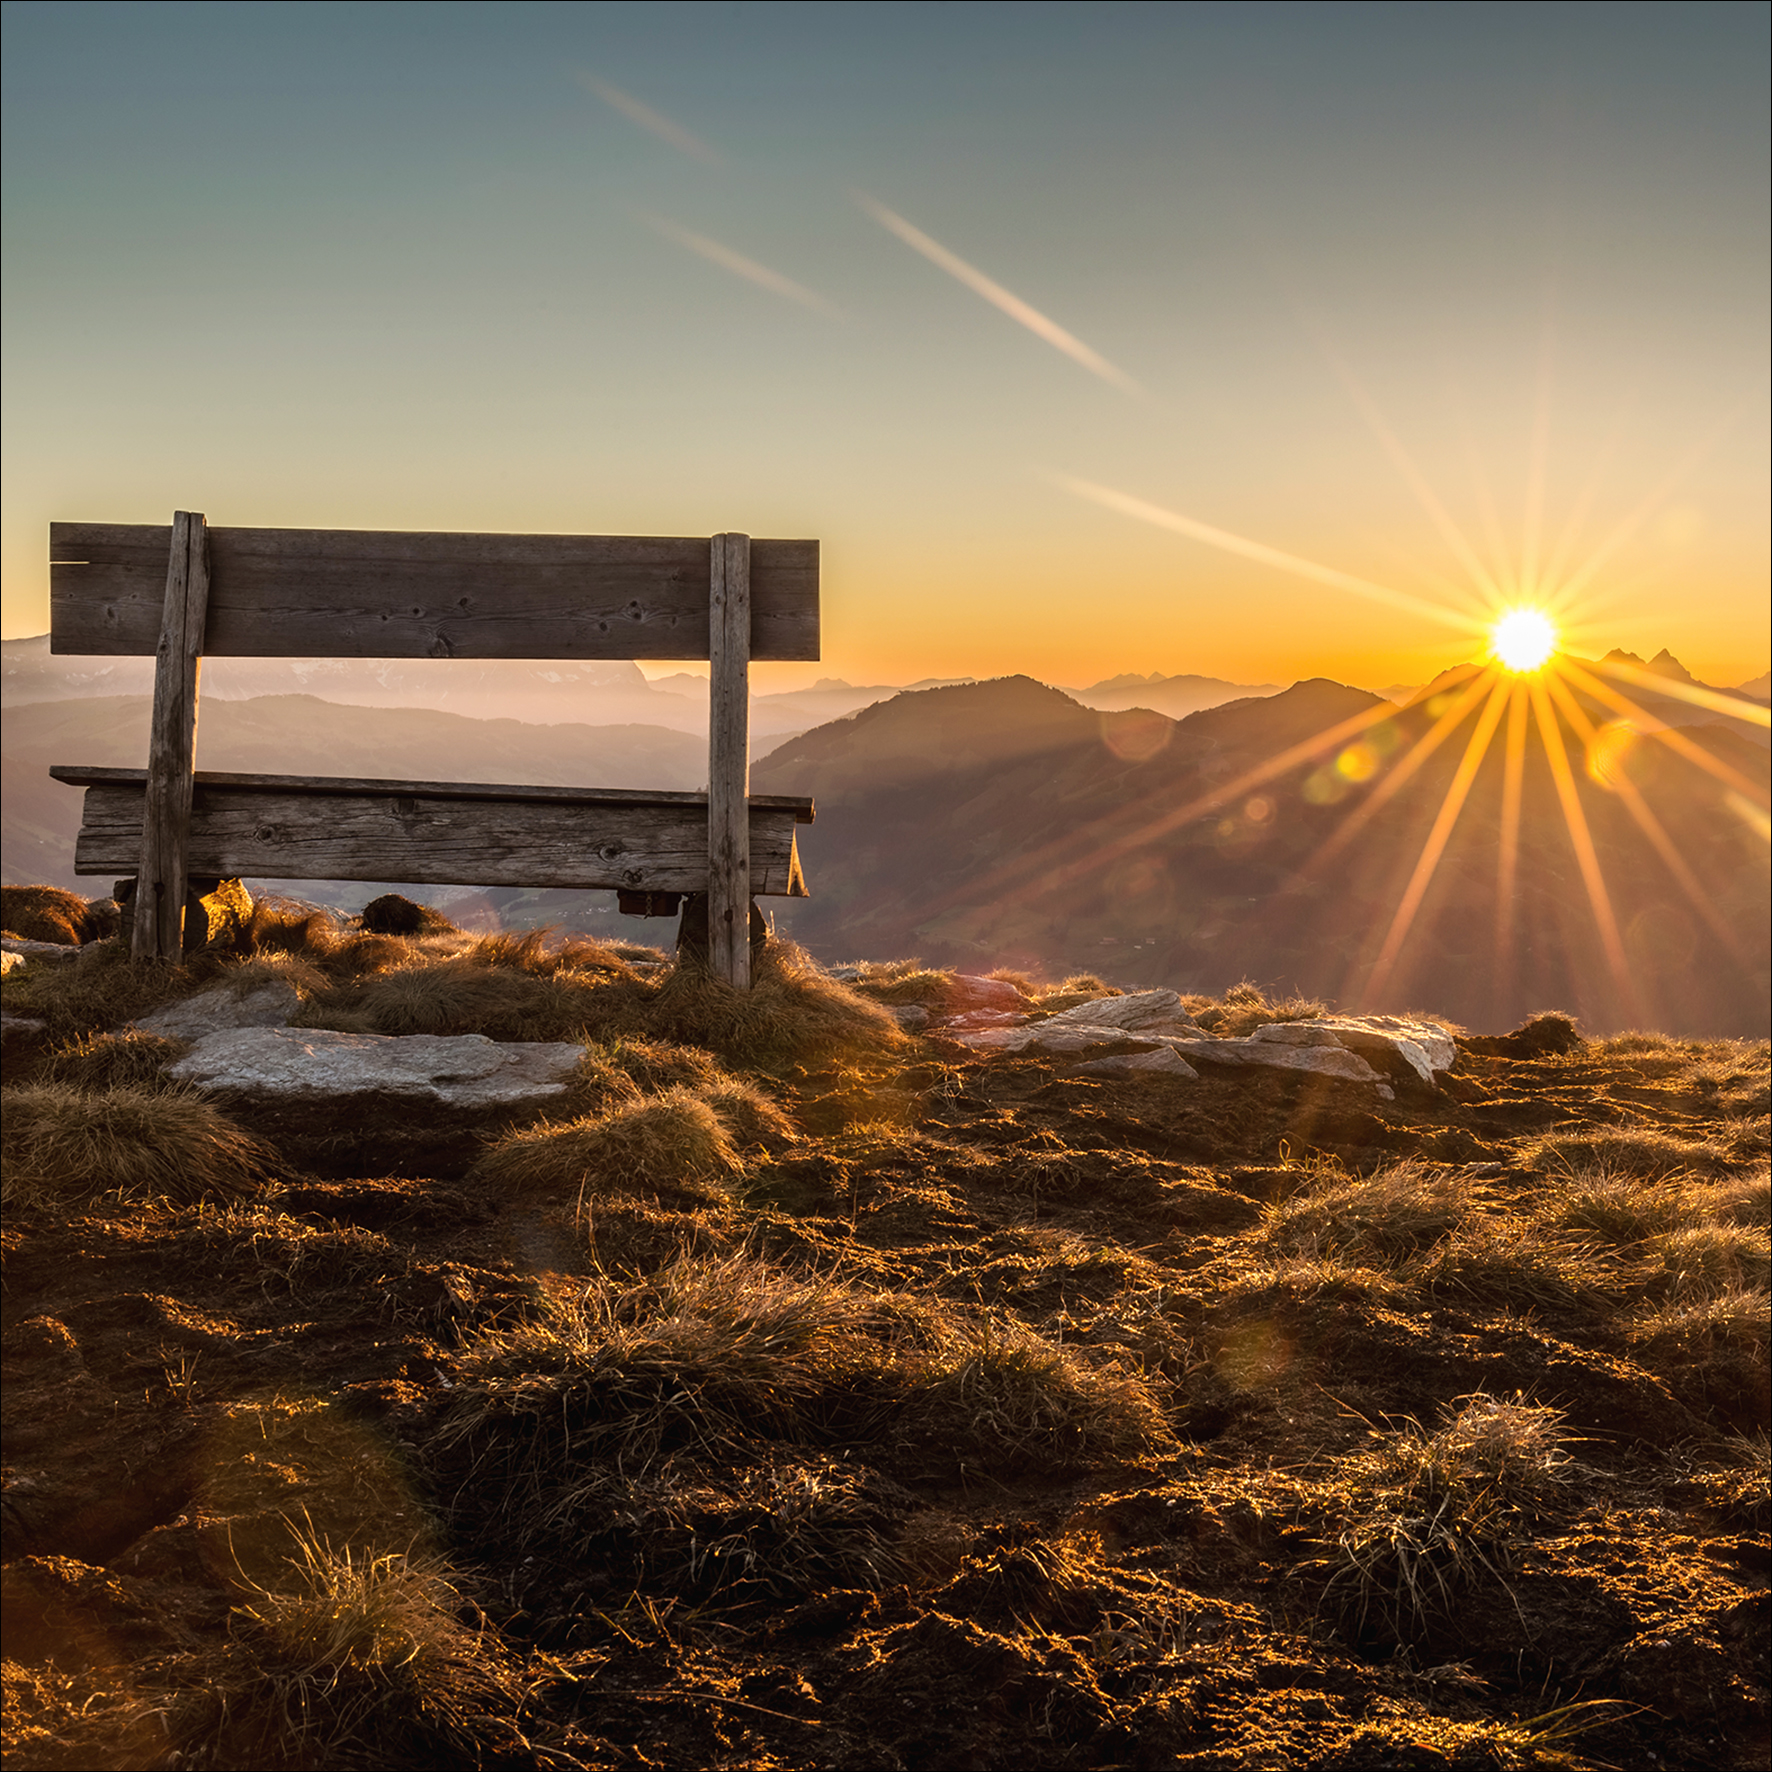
(1274, 1559)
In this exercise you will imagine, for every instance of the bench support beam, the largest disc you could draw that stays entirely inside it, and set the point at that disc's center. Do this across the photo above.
(158, 928)
(729, 761)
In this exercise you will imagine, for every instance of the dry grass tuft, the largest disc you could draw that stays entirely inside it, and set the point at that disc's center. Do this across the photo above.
(1627, 1150)
(673, 1143)
(101, 989)
(987, 1393)
(1426, 1515)
(49, 913)
(1696, 1329)
(794, 1010)
(97, 1062)
(903, 981)
(64, 1147)
(1709, 1260)
(359, 1661)
(1386, 1217)
(718, 1358)
(1511, 1261)
(1246, 1007)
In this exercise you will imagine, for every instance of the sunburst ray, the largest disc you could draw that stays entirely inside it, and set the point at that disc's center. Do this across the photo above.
(1651, 827)
(1587, 858)
(1427, 865)
(1671, 736)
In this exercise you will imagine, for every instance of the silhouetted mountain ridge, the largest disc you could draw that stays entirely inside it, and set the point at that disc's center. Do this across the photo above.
(1004, 823)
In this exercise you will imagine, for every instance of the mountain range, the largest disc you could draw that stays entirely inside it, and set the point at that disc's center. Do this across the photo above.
(1004, 823)
(1010, 822)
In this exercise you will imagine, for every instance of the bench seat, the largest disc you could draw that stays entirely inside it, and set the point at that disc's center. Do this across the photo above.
(318, 827)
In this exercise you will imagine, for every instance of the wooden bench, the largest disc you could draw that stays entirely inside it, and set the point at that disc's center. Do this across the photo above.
(187, 590)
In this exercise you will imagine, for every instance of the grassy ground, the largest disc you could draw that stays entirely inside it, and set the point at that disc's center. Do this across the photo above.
(802, 1394)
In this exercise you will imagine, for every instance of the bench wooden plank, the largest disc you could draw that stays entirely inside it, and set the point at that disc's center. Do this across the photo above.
(658, 844)
(83, 775)
(344, 593)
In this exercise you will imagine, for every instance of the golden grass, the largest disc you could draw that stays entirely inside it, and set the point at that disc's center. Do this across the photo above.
(1696, 1327)
(64, 1147)
(355, 1660)
(1626, 1150)
(1386, 1216)
(715, 1357)
(97, 1062)
(1246, 1007)
(49, 913)
(1510, 1261)
(1427, 1514)
(671, 1144)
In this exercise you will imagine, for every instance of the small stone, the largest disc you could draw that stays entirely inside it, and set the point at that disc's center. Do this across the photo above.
(53, 953)
(966, 991)
(1139, 1012)
(269, 1005)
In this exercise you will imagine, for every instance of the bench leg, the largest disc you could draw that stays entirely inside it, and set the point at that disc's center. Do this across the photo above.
(692, 931)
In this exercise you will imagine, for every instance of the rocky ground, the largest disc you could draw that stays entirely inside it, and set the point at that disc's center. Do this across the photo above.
(436, 1351)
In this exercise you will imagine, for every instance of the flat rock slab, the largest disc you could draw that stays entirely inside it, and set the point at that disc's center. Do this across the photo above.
(439, 1070)
(344, 1101)
(1055, 1038)
(1133, 1066)
(269, 1005)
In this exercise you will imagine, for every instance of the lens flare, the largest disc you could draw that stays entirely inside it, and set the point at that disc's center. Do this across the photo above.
(1523, 639)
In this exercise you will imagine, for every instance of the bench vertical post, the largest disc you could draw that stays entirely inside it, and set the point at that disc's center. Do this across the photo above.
(160, 878)
(729, 760)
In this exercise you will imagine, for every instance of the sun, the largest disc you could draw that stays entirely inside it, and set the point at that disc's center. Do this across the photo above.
(1523, 639)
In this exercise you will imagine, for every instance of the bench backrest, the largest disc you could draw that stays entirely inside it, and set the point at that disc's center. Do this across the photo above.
(366, 593)
(184, 590)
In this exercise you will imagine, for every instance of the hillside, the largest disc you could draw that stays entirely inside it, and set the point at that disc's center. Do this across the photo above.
(1002, 823)
(778, 1387)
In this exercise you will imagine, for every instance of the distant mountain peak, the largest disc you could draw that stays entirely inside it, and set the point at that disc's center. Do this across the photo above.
(1664, 664)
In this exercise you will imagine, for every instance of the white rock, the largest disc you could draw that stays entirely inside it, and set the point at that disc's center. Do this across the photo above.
(1164, 1062)
(1376, 1032)
(1422, 1045)
(314, 1065)
(270, 1005)
(1139, 1012)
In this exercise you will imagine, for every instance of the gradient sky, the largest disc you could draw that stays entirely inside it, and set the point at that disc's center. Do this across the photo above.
(1419, 294)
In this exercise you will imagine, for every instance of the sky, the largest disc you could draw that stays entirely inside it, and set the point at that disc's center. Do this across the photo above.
(1260, 341)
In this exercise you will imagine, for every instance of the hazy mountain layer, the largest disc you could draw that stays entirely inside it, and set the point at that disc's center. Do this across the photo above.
(302, 735)
(1005, 824)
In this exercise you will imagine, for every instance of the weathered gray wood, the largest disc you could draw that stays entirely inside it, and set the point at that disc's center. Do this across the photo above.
(324, 593)
(374, 787)
(729, 766)
(440, 839)
(161, 865)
